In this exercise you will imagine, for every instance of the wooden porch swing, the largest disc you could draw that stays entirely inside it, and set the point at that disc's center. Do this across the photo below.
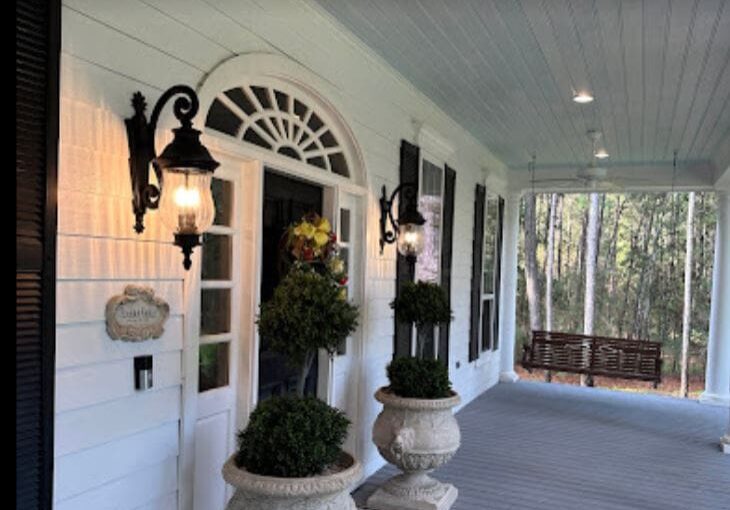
(594, 355)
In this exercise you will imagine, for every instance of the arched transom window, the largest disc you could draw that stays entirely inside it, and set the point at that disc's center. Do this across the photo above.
(278, 121)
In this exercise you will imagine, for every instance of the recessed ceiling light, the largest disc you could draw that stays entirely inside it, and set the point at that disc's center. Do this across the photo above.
(582, 97)
(601, 154)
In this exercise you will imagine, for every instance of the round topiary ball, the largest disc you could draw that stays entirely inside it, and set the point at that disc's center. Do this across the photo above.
(291, 437)
(419, 378)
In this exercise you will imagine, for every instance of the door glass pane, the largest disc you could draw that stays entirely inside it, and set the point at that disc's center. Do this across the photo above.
(345, 257)
(429, 204)
(215, 311)
(223, 199)
(344, 233)
(217, 250)
(490, 244)
(213, 366)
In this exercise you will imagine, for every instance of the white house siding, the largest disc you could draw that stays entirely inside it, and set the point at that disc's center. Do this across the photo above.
(116, 448)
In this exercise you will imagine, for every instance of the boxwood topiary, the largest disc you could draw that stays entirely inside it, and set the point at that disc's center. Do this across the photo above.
(419, 378)
(291, 437)
(307, 312)
(422, 304)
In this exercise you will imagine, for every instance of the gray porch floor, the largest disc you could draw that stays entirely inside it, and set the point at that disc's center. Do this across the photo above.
(549, 446)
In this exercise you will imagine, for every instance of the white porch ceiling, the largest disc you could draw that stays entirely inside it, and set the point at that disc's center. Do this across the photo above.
(506, 71)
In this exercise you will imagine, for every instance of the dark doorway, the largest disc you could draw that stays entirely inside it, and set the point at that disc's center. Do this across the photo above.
(286, 200)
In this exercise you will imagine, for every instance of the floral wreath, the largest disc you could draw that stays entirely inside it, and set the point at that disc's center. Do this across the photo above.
(311, 243)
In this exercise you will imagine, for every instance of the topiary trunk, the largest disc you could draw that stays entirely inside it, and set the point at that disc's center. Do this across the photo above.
(306, 367)
(425, 341)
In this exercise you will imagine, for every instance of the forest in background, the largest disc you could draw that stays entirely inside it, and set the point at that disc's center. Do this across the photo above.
(638, 272)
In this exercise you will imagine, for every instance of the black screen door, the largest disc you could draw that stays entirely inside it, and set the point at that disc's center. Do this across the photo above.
(286, 200)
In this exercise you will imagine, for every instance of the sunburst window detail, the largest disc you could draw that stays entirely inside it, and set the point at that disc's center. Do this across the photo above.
(277, 121)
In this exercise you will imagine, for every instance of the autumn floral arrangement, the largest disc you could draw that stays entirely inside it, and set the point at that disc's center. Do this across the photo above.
(312, 243)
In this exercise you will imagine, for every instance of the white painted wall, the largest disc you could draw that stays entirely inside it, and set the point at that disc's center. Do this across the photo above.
(116, 448)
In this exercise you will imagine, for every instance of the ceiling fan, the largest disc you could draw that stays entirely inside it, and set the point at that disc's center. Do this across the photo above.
(592, 176)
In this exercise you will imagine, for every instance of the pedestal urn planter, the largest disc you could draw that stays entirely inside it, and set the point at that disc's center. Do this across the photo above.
(417, 436)
(329, 491)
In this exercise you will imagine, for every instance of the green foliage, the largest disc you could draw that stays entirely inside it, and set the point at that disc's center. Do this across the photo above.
(422, 304)
(307, 312)
(640, 269)
(419, 378)
(291, 437)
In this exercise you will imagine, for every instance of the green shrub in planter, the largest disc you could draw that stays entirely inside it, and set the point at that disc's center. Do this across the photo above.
(291, 437)
(425, 305)
(419, 378)
(307, 312)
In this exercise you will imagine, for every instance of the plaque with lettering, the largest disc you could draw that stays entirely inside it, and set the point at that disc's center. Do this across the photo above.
(136, 315)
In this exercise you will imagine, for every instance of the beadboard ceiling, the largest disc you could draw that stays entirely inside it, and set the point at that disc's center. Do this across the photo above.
(506, 70)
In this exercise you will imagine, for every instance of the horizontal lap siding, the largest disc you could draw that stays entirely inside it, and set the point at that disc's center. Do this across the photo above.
(99, 415)
(111, 49)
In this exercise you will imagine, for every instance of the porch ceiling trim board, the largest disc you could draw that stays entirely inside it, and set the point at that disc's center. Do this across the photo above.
(695, 176)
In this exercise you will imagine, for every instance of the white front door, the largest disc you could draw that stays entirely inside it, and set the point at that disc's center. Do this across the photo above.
(344, 369)
(212, 348)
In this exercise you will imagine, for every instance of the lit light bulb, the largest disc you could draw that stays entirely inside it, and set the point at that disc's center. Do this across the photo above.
(582, 97)
(186, 202)
(410, 239)
(187, 197)
(601, 154)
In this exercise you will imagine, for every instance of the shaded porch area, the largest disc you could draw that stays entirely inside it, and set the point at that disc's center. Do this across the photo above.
(532, 445)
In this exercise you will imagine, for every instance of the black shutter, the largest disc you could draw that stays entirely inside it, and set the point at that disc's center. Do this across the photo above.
(476, 271)
(37, 30)
(498, 275)
(447, 234)
(405, 270)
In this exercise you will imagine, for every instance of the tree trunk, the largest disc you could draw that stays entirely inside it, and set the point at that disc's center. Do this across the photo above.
(549, 263)
(559, 235)
(549, 259)
(306, 367)
(426, 341)
(531, 276)
(591, 252)
(687, 310)
(613, 244)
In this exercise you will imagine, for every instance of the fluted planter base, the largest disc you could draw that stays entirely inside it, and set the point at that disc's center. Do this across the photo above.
(413, 491)
(323, 492)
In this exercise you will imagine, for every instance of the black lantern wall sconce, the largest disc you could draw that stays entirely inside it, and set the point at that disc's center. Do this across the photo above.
(407, 230)
(184, 170)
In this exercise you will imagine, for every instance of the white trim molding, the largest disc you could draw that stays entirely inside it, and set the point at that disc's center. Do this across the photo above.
(265, 69)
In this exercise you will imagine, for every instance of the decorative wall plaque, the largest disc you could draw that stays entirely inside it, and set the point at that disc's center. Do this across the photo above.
(136, 315)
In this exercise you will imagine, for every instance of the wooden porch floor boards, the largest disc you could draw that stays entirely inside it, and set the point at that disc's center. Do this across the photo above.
(534, 445)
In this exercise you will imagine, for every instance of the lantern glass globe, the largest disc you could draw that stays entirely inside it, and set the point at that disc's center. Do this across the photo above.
(186, 201)
(410, 239)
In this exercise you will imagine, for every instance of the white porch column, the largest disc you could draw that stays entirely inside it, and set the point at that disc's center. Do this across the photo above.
(717, 377)
(508, 287)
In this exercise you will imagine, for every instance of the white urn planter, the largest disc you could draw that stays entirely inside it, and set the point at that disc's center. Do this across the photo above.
(417, 436)
(329, 491)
